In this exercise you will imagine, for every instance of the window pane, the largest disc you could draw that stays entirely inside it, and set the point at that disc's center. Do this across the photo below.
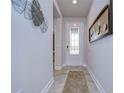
(76, 36)
(71, 43)
(76, 44)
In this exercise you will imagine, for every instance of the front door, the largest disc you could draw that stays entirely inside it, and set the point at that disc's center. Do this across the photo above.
(74, 44)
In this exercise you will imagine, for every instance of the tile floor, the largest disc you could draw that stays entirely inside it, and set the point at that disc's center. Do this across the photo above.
(61, 75)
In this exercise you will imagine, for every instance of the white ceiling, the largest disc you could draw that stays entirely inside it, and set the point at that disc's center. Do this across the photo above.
(68, 9)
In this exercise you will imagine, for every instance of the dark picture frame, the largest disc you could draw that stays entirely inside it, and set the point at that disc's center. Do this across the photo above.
(103, 24)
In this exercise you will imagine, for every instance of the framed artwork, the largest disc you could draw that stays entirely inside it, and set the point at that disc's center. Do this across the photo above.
(102, 26)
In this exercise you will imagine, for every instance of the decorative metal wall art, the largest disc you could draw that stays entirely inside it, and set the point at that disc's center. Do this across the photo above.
(32, 11)
(19, 5)
(28, 11)
(102, 25)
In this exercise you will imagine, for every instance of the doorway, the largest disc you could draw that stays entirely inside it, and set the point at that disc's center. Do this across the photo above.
(53, 51)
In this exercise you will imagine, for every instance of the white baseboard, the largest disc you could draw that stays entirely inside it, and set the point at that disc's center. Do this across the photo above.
(64, 65)
(74, 65)
(84, 65)
(99, 86)
(58, 67)
(47, 87)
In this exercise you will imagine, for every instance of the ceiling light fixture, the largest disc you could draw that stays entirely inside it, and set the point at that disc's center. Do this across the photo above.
(74, 1)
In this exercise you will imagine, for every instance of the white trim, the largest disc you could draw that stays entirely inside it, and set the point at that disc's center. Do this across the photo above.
(99, 86)
(47, 87)
(64, 65)
(58, 67)
(19, 90)
(84, 65)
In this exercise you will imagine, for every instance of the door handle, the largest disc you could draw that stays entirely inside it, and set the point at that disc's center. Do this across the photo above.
(67, 46)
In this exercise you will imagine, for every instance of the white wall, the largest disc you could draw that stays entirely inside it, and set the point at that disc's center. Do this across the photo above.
(32, 52)
(100, 53)
(73, 60)
(58, 42)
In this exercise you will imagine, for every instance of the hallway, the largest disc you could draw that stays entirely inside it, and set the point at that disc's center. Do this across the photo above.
(60, 78)
(62, 46)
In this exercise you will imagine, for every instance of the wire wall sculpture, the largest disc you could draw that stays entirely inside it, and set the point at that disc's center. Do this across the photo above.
(19, 5)
(37, 16)
(27, 12)
(32, 11)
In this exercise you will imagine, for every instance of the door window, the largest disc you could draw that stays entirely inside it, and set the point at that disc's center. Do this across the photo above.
(74, 41)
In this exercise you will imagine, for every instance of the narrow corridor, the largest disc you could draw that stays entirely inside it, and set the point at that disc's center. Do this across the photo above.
(72, 37)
